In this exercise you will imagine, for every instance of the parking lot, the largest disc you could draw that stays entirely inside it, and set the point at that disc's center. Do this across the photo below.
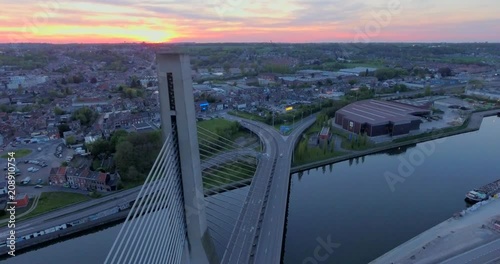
(44, 155)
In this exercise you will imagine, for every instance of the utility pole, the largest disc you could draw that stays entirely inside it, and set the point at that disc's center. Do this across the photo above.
(273, 118)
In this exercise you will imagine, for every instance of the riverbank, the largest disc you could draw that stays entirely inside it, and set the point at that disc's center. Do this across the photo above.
(473, 124)
(449, 238)
(48, 237)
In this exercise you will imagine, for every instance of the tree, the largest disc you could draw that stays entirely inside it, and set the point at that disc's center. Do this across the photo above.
(117, 137)
(427, 91)
(226, 67)
(132, 174)
(100, 148)
(27, 108)
(445, 71)
(85, 115)
(19, 89)
(352, 82)
(63, 81)
(93, 80)
(70, 140)
(63, 128)
(58, 111)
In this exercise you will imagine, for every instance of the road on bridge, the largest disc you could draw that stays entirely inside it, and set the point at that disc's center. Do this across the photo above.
(259, 232)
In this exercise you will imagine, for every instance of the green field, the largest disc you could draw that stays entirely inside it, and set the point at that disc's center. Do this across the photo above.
(219, 126)
(19, 153)
(247, 116)
(314, 154)
(227, 173)
(215, 124)
(53, 200)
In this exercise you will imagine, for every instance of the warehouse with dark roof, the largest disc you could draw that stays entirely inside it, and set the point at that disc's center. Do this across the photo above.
(376, 118)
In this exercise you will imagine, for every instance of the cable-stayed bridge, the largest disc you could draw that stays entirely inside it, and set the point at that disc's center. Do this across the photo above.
(187, 212)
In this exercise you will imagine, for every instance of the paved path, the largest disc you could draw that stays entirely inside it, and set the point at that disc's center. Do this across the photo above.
(36, 198)
(488, 253)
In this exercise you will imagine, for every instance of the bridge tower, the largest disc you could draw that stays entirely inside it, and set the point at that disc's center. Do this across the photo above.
(178, 118)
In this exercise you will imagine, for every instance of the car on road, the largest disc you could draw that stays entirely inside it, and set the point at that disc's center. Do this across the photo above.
(281, 154)
(38, 186)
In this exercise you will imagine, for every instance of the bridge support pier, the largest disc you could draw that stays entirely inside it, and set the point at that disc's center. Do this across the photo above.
(178, 117)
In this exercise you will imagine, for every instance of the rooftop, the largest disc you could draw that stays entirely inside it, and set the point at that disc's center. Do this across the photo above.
(380, 112)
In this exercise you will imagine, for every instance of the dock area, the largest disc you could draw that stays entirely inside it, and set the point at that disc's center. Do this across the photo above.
(451, 238)
(491, 188)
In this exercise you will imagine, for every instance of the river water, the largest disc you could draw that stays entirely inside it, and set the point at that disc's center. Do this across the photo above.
(351, 205)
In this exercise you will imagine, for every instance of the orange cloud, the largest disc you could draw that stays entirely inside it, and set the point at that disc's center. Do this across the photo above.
(81, 21)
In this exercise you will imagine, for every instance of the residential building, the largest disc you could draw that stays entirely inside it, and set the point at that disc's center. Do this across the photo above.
(85, 179)
(57, 176)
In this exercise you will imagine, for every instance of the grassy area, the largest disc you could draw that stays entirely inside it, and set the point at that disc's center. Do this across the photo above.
(19, 153)
(227, 173)
(214, 124)
(247, 116)
(131, 184)
(314, 154)
(358, 144)
(222, 133)
(220, 125)
(53, 200)
(5, 215)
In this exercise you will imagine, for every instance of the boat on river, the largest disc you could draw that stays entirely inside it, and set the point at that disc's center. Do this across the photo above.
(483, 193)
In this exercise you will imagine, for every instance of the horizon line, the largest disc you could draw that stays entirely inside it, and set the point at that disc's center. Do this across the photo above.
(250, 42)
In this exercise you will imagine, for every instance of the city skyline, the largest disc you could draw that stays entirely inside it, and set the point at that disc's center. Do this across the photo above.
(294, 21)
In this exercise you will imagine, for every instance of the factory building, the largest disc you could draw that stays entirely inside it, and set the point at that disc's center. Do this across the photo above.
(376, 118)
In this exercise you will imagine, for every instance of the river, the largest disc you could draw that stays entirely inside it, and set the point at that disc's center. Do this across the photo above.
(350, 204)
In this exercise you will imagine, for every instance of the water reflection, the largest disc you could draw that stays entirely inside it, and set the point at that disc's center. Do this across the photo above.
(400, 150)
(355, 206)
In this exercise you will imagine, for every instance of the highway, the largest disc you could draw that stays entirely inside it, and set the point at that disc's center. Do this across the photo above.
(259, 232)
(68, 214)
(91, 207)
(258, 235)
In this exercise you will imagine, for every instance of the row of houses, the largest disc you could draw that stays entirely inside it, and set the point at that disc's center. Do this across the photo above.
(83, 178)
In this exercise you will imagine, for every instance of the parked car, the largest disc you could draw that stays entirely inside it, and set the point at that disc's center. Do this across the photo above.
(31, 169)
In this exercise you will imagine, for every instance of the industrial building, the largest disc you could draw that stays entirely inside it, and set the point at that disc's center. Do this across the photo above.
(376, 118)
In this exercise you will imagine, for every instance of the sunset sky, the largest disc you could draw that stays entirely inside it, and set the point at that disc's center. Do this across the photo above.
(91, 21)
